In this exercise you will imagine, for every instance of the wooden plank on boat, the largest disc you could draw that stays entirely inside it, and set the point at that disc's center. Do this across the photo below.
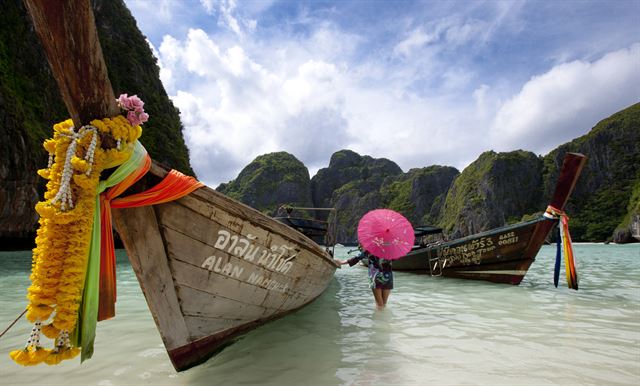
(151, 266)
(240, 210)
(201, 326)
(200, 303)
(208, 260)
(572, 165)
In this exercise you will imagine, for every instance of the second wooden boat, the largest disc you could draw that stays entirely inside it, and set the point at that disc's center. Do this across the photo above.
(501, 255)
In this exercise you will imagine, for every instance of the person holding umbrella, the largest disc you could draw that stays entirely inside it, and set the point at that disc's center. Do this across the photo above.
(384, 235)
(380, 275)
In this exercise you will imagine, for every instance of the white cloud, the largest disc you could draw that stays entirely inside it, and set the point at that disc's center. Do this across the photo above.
(208, 6)
(237, 108)
(415, 40)
(560, 104)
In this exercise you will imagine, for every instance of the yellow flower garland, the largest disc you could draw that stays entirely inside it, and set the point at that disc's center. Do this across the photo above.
(63, 238)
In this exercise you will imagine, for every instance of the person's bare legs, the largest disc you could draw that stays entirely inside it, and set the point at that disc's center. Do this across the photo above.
(377, 295)
(385, 296)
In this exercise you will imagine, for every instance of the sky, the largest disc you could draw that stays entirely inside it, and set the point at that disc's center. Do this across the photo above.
(419, 83)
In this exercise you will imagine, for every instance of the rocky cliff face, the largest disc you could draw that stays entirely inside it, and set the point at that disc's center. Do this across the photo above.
(419, 194)
(29, 97)
(347, 166)
(496, 189)
(603, 197)
(628, 230)
(30, 104)
(270, 181)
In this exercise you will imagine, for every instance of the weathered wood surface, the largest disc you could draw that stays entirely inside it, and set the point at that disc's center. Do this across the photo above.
(140, 233)
(70, 40)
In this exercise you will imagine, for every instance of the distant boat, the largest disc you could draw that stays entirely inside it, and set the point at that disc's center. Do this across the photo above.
(501, 255)
(210, 268)
(307, 222)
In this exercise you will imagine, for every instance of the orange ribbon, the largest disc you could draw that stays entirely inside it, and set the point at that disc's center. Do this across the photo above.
(174, 186)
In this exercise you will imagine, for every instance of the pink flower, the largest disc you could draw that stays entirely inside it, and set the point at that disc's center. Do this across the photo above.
(136, 118)
(134, 107)
(136, 104)
(124, 103)
(143, 117)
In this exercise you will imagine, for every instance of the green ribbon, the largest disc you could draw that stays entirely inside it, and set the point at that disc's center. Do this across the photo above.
(85, 333)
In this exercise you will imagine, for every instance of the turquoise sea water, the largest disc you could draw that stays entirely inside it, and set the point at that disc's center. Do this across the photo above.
(435, 331)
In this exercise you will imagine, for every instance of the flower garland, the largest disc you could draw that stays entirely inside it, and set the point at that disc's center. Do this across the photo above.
(60, 258)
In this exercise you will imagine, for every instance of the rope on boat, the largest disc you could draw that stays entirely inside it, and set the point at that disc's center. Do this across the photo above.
(14, 322)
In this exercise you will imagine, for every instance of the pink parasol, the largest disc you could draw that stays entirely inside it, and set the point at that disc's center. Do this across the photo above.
(385, 234)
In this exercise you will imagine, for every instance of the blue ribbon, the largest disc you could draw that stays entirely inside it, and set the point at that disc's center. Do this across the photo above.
(556, 271)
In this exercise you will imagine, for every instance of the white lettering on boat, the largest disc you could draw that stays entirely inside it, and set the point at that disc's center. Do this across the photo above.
(215, 264)
(265, 282)
(277, 258)
(507, 238)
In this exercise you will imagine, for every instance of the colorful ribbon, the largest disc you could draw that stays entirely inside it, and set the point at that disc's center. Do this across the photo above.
(564, 247)
(98, 302)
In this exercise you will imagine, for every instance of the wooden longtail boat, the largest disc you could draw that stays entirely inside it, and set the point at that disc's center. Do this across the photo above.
(501, 255)
(211, 268)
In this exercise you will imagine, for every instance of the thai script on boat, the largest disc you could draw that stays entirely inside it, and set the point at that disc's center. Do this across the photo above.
(278, 258)
(470, 253)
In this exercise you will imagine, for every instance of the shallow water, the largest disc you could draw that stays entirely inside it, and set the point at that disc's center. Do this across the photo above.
(434, 331)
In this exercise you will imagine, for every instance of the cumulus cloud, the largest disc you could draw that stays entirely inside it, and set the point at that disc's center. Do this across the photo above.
(236, 109)
(560, 104)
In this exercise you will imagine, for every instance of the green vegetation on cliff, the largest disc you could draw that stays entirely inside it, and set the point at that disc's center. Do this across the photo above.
(133, 70)
(601, 200)
(270, 181)
(496, 189)
(623, 230)
(418, 194)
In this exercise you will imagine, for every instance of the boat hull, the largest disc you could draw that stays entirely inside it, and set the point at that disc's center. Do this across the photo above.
(501, 255)
(212, 269)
